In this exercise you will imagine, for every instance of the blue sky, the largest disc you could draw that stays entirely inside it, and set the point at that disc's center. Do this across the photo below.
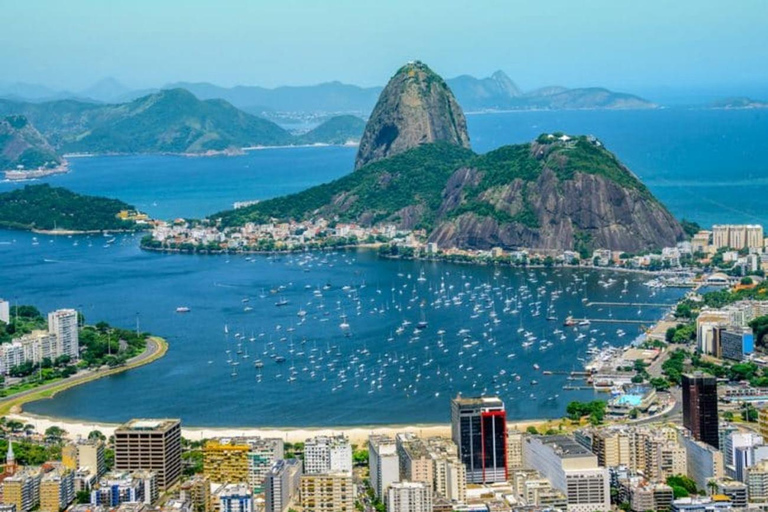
(625, 45)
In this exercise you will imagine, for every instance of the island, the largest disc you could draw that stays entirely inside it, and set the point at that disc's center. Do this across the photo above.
(55, 210)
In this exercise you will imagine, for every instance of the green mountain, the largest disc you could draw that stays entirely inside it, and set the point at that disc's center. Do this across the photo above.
(169, 121)
(22, 146)
(336, 130)
(173, 121)
(42, 207)
(547, 194)
(557, 192)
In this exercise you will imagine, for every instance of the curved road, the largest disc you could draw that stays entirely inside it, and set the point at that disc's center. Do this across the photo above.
(153, 347)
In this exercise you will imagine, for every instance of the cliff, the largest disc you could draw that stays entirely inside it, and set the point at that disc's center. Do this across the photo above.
(416, 107)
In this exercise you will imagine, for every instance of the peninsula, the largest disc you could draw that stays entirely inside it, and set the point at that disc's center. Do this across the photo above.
(61, 211)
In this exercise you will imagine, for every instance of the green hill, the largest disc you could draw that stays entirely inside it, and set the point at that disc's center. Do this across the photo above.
(22, 146)
(553, 193)
(42, 207)
(336, 130)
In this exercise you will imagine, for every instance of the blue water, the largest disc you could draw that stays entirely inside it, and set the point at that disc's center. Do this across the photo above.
(706, 165)
(363, 378)
(709, 166)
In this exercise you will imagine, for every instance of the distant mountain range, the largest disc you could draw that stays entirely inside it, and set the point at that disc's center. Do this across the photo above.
(168, 121)
(497, 92)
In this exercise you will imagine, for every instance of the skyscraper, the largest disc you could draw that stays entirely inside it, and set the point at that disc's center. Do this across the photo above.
(153, 445)
(479, 429)
(700, 407)
(63, 324)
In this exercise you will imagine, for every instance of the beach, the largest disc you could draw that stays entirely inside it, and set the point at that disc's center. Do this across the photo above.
(356, 435)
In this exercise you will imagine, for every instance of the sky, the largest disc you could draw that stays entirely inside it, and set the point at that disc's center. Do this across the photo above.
(621, 44)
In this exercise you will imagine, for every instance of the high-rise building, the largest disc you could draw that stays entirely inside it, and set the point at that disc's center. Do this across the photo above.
(704, 462)
(383, 464)
(324, 454)
(281, 485)
(416, 465)
(62, 323)
(85, 454)
(241, 459)
(5, 311)
(23, 489)
(409, 497)
(236, 498)
(153, 445)
(329, 492)
(736, 491)
(514, 450)
(57, 490)
(757, 482)
(612, 447)
(450, 474)
(572, 469)
(479, 429)
(225, 462)
(197, 491)
(700, 407)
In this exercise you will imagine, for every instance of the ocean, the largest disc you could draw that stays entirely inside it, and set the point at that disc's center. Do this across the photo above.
(707, 166)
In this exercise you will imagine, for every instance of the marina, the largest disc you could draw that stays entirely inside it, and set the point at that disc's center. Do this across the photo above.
(325, 330)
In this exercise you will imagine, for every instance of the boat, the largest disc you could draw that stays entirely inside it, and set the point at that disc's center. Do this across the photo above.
(183, 309)
(569, 321)
(281, 302)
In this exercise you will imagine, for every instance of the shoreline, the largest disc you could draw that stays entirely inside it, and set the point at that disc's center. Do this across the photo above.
(13, 404)
(358, 434)
(238, 152)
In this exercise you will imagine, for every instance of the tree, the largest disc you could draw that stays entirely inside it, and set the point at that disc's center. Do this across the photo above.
(83, 497)
(532, 430)
(54, 433)
(747, 281)
(96, 435)
(728, 416)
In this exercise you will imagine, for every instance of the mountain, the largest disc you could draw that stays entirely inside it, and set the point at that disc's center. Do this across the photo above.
(172, 121)
(336, 130)
(494, 92)
(326, 97)
(22, 146)
(106, 90)
(416, 107)
(499, 92)
(42, 207)
(557, 192)
(738, 103)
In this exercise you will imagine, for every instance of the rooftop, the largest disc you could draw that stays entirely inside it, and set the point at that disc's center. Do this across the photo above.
(149, 425)
(564, 446)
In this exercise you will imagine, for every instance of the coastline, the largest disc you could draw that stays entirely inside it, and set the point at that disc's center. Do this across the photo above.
(234, 153)
(13, 405)
(357, 434)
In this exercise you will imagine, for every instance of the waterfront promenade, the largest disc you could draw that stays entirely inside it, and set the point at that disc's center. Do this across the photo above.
(155, 349)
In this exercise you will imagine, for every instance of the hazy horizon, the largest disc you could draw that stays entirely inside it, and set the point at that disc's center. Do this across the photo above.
(656, 46)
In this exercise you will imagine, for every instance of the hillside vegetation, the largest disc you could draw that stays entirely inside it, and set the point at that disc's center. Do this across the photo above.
(42, 207)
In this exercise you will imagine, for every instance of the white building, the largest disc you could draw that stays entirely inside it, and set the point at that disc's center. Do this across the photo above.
(572, 469)
(704, 462)
(235, 498)
(5, 311)
(409, 497)
(383, 463)
(324, 454)
(62, 323)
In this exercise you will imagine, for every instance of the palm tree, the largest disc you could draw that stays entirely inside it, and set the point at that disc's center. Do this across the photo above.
(712, 486)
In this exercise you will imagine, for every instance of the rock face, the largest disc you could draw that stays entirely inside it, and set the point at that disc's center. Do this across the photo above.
(416, 107)
(21, 145)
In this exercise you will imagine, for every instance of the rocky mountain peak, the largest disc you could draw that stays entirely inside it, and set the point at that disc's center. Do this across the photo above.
(506, 84)
(416, 107)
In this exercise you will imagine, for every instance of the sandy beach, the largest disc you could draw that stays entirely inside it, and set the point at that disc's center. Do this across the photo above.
(357, 435)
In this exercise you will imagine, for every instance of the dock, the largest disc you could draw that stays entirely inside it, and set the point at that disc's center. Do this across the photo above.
(633, 304)
(612, 321)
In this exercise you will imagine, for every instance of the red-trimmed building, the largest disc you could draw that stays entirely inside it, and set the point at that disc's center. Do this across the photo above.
(479, 429)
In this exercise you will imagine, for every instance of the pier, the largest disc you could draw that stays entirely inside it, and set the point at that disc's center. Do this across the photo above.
(632, 304)
(611, 321)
